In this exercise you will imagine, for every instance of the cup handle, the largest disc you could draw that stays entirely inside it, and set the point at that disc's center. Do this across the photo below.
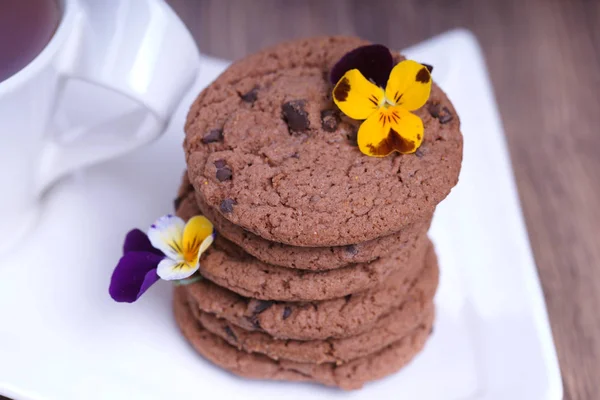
(133, 49)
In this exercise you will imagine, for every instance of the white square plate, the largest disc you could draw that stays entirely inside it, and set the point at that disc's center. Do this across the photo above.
(62, 337)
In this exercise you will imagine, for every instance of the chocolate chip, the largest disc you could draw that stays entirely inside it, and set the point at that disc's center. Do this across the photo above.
(295, 115)
(224, 174)
(419, 153)
(353, 136)
(261, 305)
(295, 155)
(287, 312)
(251, 96)
(215, 135)
(177, 202)
(434, 109)
(301, 273)
(443, 114)
(352, 249)
(230, 333)
(329, 120)
(255, 322)
(348, 297)
(223, 171)
(446, 116)
(220, 163)
(226, 205)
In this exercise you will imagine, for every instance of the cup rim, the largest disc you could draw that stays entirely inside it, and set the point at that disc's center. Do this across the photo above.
(44, 57)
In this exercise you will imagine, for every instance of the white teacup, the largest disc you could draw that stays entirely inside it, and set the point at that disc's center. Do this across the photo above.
(134, 52)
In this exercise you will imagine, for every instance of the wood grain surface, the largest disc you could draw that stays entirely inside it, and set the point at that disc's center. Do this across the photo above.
(544, 61)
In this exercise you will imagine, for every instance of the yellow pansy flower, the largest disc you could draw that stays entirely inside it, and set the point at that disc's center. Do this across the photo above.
(389, 123)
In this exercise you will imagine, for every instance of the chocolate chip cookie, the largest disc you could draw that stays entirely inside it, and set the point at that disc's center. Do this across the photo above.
(335, 318)
(267, 148)
(309, 258)
(350, 375)
(228, 266)
(387, 330)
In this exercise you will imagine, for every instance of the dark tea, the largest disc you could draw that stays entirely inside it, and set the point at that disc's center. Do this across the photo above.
(26, 27)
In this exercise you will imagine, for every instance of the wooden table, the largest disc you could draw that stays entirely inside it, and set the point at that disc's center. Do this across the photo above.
(544, 61)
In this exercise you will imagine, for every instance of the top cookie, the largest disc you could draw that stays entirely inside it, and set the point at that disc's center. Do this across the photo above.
(266, 146)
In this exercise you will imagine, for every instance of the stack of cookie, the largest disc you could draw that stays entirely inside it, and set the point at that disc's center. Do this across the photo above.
(322, 270)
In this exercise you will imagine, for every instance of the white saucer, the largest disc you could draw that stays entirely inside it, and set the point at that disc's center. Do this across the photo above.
(62, 337)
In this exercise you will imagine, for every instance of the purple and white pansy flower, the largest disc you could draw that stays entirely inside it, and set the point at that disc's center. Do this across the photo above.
(171, 251)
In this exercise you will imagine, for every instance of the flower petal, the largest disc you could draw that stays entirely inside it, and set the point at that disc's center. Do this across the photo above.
(136, 240)
(166, 235)
(409, 85)
(133, 275)
(390, 129)
(171, 270)
(196, 230)
(149, 280)
(205, 245)
(356, 96)
(373, 61)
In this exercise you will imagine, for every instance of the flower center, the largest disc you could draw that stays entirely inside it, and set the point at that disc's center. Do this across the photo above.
(387, 103)
(190, 252)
